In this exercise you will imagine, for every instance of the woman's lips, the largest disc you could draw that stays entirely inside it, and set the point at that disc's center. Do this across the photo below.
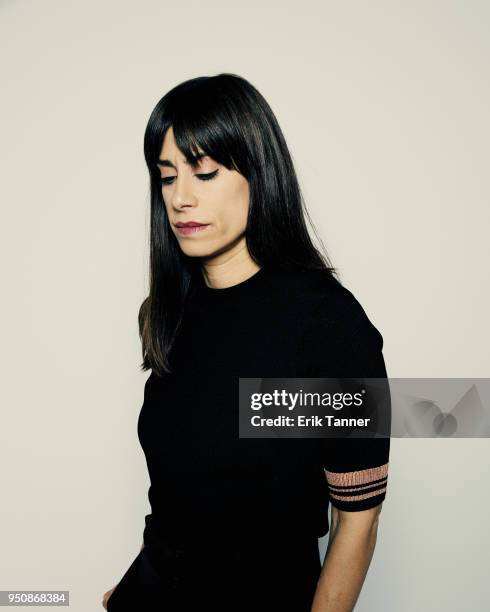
(186, 231)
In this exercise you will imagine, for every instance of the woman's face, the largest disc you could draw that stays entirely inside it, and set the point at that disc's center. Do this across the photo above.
(208, 194)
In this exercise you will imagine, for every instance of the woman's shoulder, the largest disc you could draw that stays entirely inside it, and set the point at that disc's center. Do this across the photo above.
(339, 337)
(334, 307)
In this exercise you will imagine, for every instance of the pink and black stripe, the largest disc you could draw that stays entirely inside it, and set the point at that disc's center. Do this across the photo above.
(357, 485)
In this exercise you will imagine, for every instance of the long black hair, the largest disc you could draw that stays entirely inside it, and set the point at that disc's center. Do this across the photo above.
(227, 118)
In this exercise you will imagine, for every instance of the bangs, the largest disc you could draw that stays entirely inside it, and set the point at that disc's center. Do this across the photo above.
(205, 120)
(205, 132)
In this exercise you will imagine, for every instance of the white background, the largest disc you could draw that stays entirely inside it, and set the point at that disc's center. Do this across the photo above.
(385, 108)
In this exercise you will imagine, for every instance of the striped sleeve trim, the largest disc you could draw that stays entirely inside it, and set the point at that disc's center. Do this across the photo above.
(357, 485)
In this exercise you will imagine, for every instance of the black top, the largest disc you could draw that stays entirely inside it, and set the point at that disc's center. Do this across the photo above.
(208, 483)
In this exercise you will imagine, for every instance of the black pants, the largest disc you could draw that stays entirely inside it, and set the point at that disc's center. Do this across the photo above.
(278, 576)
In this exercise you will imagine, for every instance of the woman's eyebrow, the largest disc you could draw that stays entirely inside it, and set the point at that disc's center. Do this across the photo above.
(168, 164)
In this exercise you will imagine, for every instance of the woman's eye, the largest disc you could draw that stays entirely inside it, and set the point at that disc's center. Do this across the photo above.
(168, 180)
(208, 176)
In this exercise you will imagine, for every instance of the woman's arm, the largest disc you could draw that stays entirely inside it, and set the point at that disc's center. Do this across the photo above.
(352, 539)
(340, 341)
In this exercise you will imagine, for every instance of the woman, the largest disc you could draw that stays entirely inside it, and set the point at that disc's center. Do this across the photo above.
(237, 289)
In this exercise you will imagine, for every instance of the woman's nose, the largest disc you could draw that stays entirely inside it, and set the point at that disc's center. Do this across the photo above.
(183, 194)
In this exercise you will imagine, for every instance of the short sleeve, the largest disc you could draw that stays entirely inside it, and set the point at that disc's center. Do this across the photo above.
(356, 470)
(345, 344)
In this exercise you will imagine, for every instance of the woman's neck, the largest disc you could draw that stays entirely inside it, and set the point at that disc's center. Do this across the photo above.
(229, 269)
